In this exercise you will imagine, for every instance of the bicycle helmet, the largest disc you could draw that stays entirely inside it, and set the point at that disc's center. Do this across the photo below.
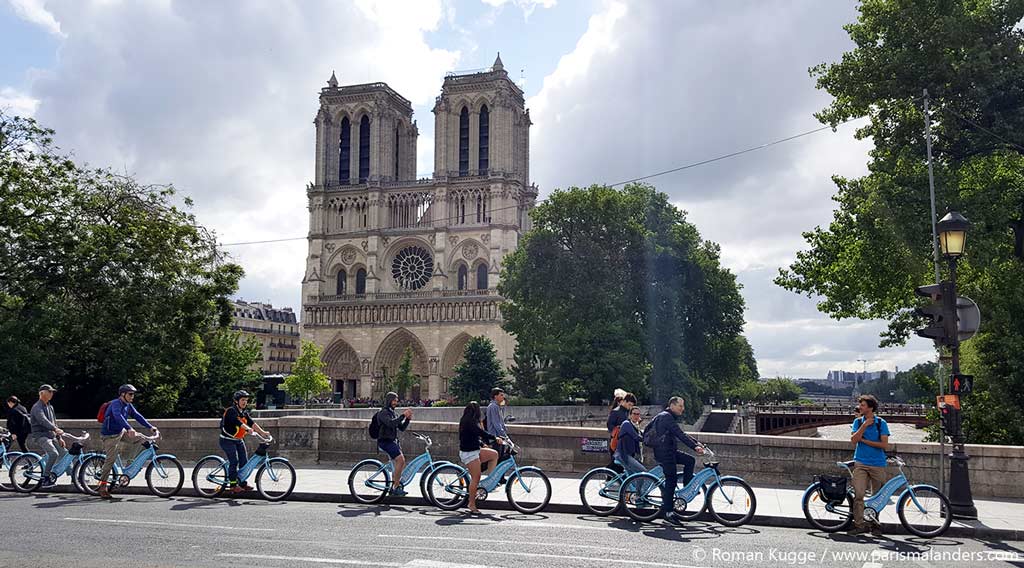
(241, 394)
(126, 388)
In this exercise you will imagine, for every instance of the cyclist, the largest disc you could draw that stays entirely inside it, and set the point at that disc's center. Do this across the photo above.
(45, 433)
(472, 455)
(628, 447)
(18, 422)
(234, 425)
(387, 439)
(115, 426)
(665, 441)
(870, 437)
(624, 402)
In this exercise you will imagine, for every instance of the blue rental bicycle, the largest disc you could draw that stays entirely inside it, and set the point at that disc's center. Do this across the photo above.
(922, 509)
(599, 488)
(26, 472)
(275, 476)
(729, 499)
(6, 459)
(164, 474)
(370, 481)
(527, 489)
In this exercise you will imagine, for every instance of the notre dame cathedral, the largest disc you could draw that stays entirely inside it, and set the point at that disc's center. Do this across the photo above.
(397, 262)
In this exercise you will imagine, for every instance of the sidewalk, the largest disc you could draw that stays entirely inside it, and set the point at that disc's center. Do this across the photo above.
(775, 507)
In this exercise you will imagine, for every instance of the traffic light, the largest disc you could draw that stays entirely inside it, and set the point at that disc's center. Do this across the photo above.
(940, 313)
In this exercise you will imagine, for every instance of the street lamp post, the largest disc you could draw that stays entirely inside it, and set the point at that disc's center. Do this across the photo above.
(952, 238)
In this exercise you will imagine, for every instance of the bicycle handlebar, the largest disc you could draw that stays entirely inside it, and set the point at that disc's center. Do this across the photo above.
(261, 438)
(82, 438)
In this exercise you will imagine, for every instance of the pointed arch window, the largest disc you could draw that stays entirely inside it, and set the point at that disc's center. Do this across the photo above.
(463, 277)
(361, 281)
(342, 283)
(345, 152)
(481, 277)
(464, 142)
(485, 135)
(364, 149)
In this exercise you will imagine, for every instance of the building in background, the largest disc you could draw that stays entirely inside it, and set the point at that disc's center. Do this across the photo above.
(397, 263)
(275, 328)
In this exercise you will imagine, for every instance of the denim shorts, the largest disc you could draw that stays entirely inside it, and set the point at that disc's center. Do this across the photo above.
(469, 457)
(390, 447)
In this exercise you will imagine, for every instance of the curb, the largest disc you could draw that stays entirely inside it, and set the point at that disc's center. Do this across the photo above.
(976, 530)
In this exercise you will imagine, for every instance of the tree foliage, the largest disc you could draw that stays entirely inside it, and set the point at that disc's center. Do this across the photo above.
(525, 371)
(307, 378)
(915, 385)
(878, 248)
(779, 389)
(103, 280)
(478, 372)
(404, 379)
(616, 289)
(225, 365)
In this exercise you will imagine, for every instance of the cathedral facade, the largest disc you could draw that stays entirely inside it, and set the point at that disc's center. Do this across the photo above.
(398, 263)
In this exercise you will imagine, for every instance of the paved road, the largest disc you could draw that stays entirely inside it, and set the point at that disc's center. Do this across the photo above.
(147, 531)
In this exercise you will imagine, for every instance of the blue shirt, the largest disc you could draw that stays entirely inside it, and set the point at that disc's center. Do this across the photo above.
(117, 416)
(865, 454)
(495, 423)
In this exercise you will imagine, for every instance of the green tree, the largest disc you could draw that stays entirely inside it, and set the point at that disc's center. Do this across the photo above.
(225, 366)
(525, 372)
(878, 248)
(616, 289)
(307, 378)
(780, 389)
(404, 380)
(103, 280)
(478, 372)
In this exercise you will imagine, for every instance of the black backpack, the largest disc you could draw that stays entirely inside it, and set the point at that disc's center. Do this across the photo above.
(650, 435)
(374, 429)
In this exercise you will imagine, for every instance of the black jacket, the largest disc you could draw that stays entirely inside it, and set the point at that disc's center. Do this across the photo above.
(390, 423)
(669, 434)
(18, 421)
(616, 418)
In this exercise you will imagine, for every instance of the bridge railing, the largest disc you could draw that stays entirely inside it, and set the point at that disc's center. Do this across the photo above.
(851, 409)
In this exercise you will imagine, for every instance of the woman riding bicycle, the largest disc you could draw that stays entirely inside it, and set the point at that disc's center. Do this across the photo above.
(473, 456)
(628, 447)
(234, 425)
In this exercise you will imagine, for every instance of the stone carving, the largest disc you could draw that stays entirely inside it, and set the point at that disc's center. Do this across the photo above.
(470, 251)
(453, 239)
(433, 365)
(364, 245)
(385, 240)
(330, 247)
(366, 365)
(486, 238)
(348, 256)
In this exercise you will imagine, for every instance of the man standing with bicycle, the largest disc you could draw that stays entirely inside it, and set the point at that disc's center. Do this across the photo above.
(664, 435)
(115, 427)
(870, 438)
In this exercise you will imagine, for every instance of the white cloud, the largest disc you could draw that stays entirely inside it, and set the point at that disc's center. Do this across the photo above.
(220, 101)
(35, 11)
(527, 6)
(17, 103)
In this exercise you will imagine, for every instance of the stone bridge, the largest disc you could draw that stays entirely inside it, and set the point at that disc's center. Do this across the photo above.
(774, 420)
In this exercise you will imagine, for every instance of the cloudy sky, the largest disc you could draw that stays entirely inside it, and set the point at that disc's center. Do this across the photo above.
(218, 98)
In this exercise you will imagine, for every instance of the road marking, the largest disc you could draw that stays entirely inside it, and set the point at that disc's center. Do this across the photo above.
(503, 523)
(311, 559)
(493, 541)
(124, 522)
(595, 560)
(438, 564)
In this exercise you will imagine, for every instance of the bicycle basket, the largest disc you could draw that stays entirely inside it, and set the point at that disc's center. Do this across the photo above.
(832, 488)
(76, 449)
(262, 449)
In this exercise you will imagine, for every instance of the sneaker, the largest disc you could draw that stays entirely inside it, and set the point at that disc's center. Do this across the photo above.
(236, 489)
(398, 492)
(50, 482)
(245, 486)
(104, 491)
(673, 518)
(857, 531)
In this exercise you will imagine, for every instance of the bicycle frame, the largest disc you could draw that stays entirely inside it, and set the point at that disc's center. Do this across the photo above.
(883, 496)
(65, 465)
(424, 460)
(145, 455)
(255, 461)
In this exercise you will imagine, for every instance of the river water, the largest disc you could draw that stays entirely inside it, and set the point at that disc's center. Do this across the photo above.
(899, 433)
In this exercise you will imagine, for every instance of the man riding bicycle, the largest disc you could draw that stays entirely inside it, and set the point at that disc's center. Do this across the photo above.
(387, 438)
(234, 425)
(665, 441)
(45, 433)
(115, 426)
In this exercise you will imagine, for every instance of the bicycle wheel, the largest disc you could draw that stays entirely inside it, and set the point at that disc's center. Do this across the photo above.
(448, 487)
(827, 517)
(929, 517)
(5, 470)
(275, 480)
(641, 496)
(528, 490)
(599, 491)
(210, 476)
(731, 501)
(89, 474)
(165, 476)
(26, 473)
(369, 482)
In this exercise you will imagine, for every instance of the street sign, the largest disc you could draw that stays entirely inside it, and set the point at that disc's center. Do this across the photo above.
(961, 384)
(594, 445)
(947, 400)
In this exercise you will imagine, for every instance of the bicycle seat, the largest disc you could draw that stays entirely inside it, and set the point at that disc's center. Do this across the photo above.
(846, 464)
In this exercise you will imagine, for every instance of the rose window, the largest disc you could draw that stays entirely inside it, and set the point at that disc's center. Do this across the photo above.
(412, 268)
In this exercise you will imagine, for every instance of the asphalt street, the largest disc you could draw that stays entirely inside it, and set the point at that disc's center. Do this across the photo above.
(68, 530)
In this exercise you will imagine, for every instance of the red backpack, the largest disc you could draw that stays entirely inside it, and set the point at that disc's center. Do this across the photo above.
(101, 416)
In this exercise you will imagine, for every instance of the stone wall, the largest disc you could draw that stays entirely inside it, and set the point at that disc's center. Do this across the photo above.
(762, 460)
(548, 415)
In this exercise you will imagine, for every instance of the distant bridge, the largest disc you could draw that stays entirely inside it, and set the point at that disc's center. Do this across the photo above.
(776, 420)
